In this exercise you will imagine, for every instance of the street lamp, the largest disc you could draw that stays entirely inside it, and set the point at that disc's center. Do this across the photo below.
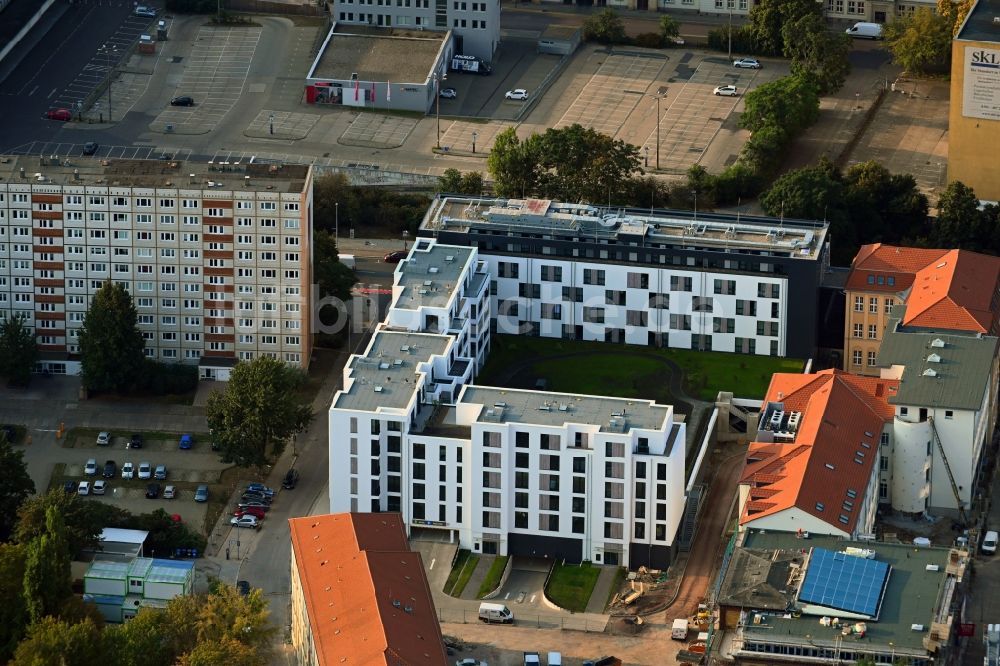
(272, 123)
(475, 135)
(336, 223)
(730, 30)
(438, 78)
(111, 52)
(406, 234)
(645, 149)
(658, 98)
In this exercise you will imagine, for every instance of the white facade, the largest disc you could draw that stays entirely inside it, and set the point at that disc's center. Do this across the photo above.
(476, 25)
(505, 471)
(666, 307)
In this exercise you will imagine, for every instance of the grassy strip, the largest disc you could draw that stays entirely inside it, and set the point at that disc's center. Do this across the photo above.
(460, 574)
(570, 586)
(493, 576)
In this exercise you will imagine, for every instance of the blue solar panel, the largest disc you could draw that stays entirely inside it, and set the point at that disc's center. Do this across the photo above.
(844, 582)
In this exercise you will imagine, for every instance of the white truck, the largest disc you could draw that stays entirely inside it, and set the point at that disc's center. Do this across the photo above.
(495, 613)
(866, 30)
(679, 632)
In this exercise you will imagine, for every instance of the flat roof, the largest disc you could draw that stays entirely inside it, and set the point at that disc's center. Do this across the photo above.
(979, 26)
(121, 535)
(942, 370)
(429, 277)
(386, 376)
(505, 405)
(174, 174)
(910, 597)
(579, 222)
(391, 55)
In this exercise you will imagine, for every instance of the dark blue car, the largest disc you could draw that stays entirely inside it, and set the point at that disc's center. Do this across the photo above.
(186, 442)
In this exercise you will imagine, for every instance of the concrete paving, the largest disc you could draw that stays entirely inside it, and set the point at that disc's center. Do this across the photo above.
(483, 565)
(602, 590)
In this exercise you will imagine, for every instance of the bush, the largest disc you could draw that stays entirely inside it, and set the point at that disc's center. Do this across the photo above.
(649, 40)
(165, 535)
(167, 378)
(742, 40)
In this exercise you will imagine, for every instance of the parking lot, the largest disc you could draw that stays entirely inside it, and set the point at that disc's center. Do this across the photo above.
(214, 75)
(378, 131)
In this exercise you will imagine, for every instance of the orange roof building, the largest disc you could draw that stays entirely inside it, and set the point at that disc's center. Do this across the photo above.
(944, 290)
(359, 595)
(814, 464)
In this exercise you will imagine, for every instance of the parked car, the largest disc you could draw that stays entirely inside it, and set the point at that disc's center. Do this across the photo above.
(183, 100)
(201, 494)
(161, 472)
(187, 441)
(394, 257)
(291, 479)
(245, 521)
(516, 94)
(99, 487)
(83, 488)
(244, 504)
(59, 114)
(90, 469)
(747, 63)
(110, 469)
(103, 438)
(134, 442)
(243, 587)
(152, 491)
(260, 488)
(128, 471)
(69, 487)
(145, 12)
(448, 93)
(255, 497)
(169, 492)
(90, 148)
(250, 511)
(989, 545)
(726, 91)
(145, 470)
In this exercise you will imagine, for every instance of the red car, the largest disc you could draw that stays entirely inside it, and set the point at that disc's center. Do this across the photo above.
(394, 257)
(250, 511)
(59, 114)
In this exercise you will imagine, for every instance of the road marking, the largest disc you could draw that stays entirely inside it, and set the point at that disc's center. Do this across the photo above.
(506, 596)
(52, 93)
(33, 91)
(431, 567)
(532, 600)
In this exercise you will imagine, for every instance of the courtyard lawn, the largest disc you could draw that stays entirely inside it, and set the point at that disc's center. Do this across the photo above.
(493, 576)
(627, 371)
(571, 585)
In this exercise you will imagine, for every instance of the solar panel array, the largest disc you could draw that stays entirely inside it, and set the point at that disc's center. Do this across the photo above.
(844, 582)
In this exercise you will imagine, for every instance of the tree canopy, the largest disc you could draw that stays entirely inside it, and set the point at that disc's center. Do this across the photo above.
(790, 103)
(768, 16)
(83, 520)
(454, 181)
(959, 222)
(47, 580)
(256, 414)
(921, 42)
(15, 486)
(13, 611)
(18, 351)
(605, 27)
(370, 211)
(111, 345)
(334, 278)
(55, 642)
(818, 55)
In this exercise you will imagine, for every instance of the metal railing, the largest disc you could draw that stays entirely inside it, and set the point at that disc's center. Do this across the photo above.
(537, 621)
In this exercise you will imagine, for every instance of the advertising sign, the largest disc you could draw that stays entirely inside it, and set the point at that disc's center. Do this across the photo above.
(981, 92)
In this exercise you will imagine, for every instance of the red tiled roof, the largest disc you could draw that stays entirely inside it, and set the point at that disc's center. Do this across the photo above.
(352, 568)
(838, 412)
(900, 262)
(956, 293)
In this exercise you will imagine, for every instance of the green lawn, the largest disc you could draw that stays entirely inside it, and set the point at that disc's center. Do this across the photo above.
(627, 371)
(460, 574)
(493, 576)
(571, 585)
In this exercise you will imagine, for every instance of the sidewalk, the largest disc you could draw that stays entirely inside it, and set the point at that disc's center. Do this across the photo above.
(602, 590)
(471, 590)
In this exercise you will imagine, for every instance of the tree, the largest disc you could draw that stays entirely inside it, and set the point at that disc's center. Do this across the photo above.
(13, 612)
(18, 351)
(334, 278)
(811, 193)
(54, 642)
(818, 54)
(768, 16)
(605, 27)
(885, 207)
(258, 412)
(225, 651)
(83, 520)
(219, 616)
(111, 345)
(959, 221)
(582, 164)
(514, 164)
(335, 202)
(450, 181)
(472, 183)
(791, 103)
(921, 42)
(47, 581)
(142, 641)
(670, 29)
(954, 13)
(15, 486)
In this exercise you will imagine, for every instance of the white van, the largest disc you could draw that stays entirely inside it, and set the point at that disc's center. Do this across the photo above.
(348, 260)
(679, 631)
(866, 30)
(498, 613)
(990, 542)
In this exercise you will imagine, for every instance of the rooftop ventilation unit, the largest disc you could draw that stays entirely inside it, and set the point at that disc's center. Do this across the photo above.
(405, 348)
(930, 372)
(450, 257)
(934, 358)
(433, 269)
(938, 343)
(794, 419)
(378, 388)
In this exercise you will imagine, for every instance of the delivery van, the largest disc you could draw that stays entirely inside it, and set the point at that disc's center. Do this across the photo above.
(866, 30)
(495, 613)
(679, 632)
(990, 543)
